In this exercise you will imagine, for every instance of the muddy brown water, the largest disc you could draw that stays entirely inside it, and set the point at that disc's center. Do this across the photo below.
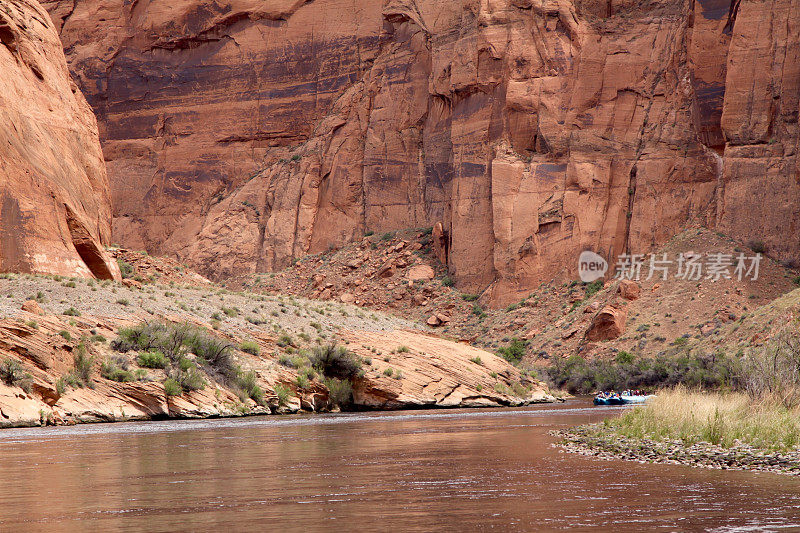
(459, 470)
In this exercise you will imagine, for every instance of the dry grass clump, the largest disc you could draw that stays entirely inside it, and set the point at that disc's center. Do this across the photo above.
(718, 418)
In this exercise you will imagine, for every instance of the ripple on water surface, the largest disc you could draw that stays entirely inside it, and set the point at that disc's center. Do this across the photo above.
(425, 470)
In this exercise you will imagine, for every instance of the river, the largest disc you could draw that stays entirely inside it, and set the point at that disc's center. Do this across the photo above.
(455, 470)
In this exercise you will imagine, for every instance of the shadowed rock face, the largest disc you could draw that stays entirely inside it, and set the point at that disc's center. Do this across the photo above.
(240, 134)
(55, 211)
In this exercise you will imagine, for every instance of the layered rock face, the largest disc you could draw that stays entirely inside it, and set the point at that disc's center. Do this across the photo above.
(55, 211)
(241, 134)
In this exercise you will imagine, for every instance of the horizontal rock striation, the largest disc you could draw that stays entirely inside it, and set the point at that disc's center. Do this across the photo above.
(240, 134)
(55, 211)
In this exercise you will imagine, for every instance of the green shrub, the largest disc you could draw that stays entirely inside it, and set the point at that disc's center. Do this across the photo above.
(65, 334)
(340, 392)
(72, 312)
(593, 287)
(285, 340)
(68, 380)
(172, 387)
(248, 382)
(477, 360)
(152, 359)
(402, 349)
(388, 372)
(283, 393)
(83, 364)
(624, 358)
(447, 281)
(32, 324)
(579, 376)
(12, 373)
(174, 341)
(302, 382)
(123, 301)
(250, 347)
(115, 370)
(514, 352)
(469, 297)
(334, 361)
(190, 380)
(125, 268)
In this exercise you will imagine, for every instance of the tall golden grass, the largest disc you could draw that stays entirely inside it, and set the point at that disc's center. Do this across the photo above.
(718, 418)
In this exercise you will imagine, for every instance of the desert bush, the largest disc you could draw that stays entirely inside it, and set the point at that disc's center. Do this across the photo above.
(175, 341)
(72, 312)
(340, 392)
(152, 359)
(172, 387)
(125, 268)
(593, 287)
(190, 380)
(285, 340)
(83, 363)
(283, 393)
(301, 381)
(334, 361)
(248, 382)
(116, 370)
(12, 373)
(580, 376)
(514, 352)
(773, 371)
(68, 380)
(250, 347)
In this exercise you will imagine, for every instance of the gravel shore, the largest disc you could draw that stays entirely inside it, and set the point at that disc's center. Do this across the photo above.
(592, 440)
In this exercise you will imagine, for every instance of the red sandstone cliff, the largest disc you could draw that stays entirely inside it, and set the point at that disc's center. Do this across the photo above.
(240, 133)
(55, 211)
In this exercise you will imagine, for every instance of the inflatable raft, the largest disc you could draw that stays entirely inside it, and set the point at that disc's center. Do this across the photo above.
(620, 399)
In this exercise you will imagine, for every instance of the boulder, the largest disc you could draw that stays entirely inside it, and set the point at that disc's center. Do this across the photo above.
(628, 289)
(592, 307)
(419, 299)
(32, 306)
(420, 272)
(608, 324)
(437, 319)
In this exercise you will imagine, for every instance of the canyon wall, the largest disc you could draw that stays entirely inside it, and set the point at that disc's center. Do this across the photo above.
(55, 211)
(240, 134)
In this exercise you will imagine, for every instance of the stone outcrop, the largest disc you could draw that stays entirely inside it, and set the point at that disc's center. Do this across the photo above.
(608, 324)
(429, 371)
(241, 134)
(55, 211)
(629, 290)
(40, 382)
